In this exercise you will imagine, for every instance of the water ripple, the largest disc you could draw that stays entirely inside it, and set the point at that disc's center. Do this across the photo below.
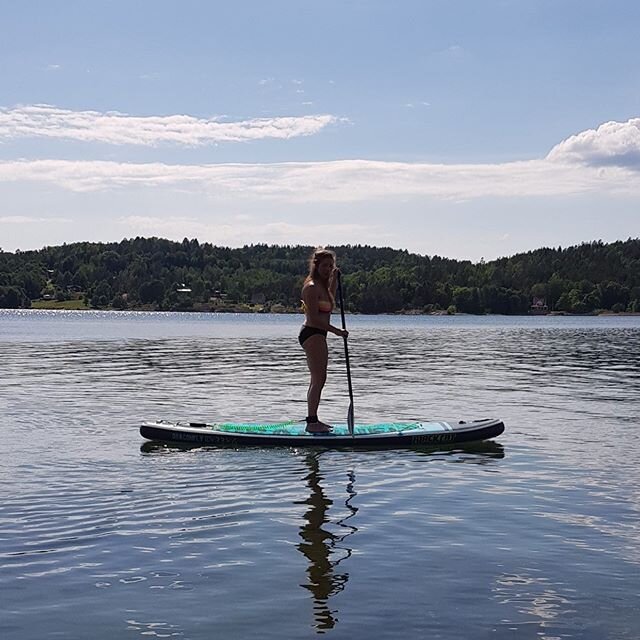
(535, 535)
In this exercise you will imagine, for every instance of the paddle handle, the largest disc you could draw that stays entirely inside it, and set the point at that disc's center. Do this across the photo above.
(350, 418)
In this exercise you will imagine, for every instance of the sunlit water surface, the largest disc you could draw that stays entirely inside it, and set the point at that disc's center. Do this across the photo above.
(533, 536)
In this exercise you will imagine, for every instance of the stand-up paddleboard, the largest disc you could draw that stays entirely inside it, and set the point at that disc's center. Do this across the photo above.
(293, 434)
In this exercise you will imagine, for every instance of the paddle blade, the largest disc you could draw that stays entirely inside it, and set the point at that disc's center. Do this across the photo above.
(350, 420)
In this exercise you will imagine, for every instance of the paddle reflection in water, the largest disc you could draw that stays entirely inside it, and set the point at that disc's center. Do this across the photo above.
(324, 550)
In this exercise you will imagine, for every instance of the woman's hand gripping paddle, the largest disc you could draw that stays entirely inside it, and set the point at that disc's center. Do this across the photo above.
(350, 421)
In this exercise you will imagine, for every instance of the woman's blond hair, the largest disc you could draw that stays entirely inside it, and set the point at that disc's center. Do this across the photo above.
(316, 258)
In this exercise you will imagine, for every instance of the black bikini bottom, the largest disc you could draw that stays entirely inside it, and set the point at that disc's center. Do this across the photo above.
(307, 332)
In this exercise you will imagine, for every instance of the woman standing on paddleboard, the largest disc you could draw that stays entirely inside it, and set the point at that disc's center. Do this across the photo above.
(318, 299)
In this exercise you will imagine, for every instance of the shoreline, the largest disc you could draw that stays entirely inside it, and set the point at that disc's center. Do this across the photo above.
(48, 305)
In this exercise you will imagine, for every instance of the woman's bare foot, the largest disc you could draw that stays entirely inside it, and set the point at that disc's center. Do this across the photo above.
(318, 427)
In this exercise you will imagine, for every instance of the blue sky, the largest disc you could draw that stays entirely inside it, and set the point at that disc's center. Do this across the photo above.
(463, 128)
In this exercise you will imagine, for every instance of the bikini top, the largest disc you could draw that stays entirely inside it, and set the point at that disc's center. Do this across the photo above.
(324, 306)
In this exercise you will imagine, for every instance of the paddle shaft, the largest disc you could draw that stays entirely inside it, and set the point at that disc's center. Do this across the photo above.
(350, 420)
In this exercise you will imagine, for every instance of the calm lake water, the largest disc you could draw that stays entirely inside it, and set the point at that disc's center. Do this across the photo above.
(535, 535)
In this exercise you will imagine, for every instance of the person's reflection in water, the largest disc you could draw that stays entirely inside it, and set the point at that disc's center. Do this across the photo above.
(318, 545)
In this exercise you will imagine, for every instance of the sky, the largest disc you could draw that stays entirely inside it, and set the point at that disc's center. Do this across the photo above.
(471, 129)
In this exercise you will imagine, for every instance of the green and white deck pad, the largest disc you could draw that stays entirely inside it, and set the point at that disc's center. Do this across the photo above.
(296, 428)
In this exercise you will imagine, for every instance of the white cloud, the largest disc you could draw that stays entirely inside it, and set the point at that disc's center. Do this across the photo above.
(242, 229)
(333, 181)
(454, 52)
(119, 128)
(573, 167)
(614, 144)
(32, 220)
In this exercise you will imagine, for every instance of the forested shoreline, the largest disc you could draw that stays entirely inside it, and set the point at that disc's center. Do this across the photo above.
(159, 274)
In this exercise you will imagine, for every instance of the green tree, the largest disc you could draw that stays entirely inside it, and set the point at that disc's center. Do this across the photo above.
(612, 293)
(467, 300)
(152, 291)
(101, 295)
(13, 298)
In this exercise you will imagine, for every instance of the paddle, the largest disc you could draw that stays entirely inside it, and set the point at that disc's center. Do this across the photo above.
(346, 357)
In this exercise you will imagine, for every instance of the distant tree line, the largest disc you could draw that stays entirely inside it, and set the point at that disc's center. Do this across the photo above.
(155, 273)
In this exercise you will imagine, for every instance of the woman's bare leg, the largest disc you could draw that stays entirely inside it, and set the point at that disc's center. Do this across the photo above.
(317, 358)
